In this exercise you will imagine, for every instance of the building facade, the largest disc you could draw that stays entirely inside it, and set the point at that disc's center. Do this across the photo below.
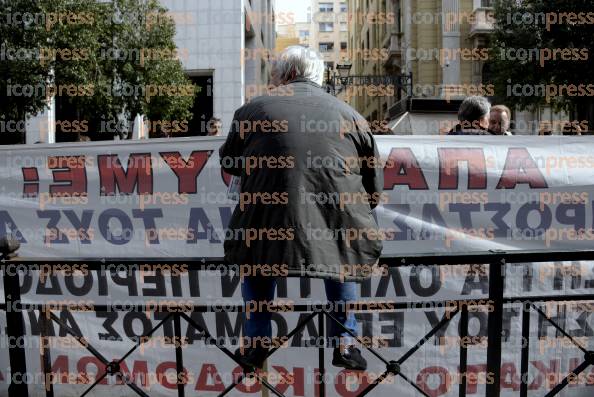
(297, 33)
(304, 31)
(329, 30)
(375, 49)
(325, 30)
(228, 45)
(259, 43)
(286, 36)
(443, 44)
(401, 37)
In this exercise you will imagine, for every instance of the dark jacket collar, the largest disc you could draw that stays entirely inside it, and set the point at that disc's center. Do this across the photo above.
(459, 130)
(304, 80)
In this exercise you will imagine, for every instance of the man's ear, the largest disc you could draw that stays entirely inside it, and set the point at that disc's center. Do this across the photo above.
(484, 121)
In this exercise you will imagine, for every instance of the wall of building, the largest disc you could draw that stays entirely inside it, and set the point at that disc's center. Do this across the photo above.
(232, 39)
(304, 32)
(260, 42)
(376, 40)
(298, 33)
(214, 40)
(418, 35)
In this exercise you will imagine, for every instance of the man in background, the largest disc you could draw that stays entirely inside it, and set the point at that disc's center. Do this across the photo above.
(473, 117)
(214, 127)
(571, 129)
(500, 120)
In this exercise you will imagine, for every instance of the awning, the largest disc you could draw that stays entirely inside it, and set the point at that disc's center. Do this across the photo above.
(423, 123)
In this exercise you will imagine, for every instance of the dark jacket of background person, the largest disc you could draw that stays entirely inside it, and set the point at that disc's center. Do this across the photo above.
(473, 116)
(471, 130)
(312, 131)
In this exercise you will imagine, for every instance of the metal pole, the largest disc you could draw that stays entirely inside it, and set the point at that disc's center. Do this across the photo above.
(495, 321)
(463, 326)
(321, 357)
(15, 331)
(46, 360)
(525, 349)
(179, 359)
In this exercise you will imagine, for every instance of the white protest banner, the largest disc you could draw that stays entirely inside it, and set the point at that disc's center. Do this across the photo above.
(163, 198)
(445, 194)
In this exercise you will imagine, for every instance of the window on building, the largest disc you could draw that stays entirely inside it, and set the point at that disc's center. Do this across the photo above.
(326, 26)
(326, 7)
(203, 105)
(343, 45)
(304, 34)
(326, 47)
(344, 27)
(343, 7)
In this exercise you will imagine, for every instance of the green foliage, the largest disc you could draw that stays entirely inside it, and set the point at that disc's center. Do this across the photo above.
(566, 34)
(115, 52)
(18, 65)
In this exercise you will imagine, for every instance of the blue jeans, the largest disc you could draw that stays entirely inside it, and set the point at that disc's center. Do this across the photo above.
(261, 289)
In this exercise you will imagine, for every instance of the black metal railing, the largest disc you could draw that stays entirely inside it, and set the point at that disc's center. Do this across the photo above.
(498, 260)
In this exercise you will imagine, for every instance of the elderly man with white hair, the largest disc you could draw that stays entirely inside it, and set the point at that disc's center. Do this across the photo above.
(310, 177)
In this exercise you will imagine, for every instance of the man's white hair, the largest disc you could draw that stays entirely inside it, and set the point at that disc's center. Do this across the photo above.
(302, 62)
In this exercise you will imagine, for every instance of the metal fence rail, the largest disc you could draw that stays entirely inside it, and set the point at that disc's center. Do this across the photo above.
(497, 260)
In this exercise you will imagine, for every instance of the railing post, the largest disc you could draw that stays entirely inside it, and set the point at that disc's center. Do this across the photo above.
(495, 322)
(15, 326)
(463, 352)
(321, 355)
(15, 331)
(525, 349)
(179, 358)
(46, 360)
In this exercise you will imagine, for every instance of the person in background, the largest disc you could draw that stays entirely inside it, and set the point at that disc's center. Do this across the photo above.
(545, 128)
(571, 129)
(500, 120)
(214, 127)
(473, 117)
(311, 125)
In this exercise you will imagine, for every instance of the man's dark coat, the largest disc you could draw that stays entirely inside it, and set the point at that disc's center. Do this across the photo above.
(317, 149)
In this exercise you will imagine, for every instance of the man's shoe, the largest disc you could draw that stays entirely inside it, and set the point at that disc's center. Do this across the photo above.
(350, 358)
(252, 356)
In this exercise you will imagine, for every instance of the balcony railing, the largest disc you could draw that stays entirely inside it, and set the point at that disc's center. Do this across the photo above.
(483, 21)
(393, 43)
